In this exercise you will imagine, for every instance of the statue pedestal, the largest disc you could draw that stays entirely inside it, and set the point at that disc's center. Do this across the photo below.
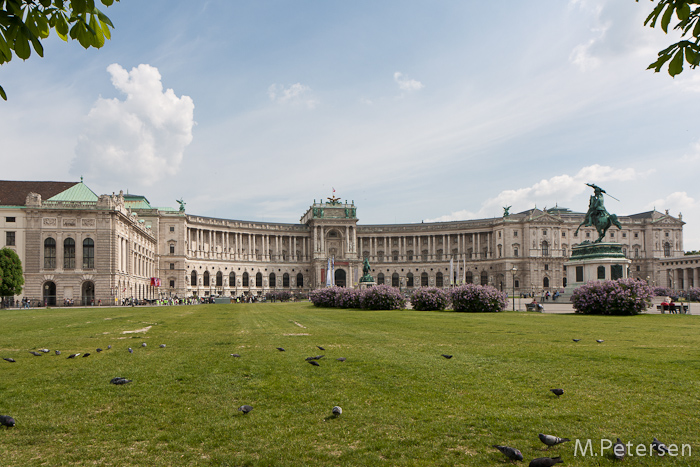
(367, 285)
(594, 262)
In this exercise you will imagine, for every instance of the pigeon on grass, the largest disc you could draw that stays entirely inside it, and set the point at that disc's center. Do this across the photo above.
(73, 355)
(9, 359)
(600, 341)
(6, 420)
(341, 359)
(143, 345)
(447, 356)
(576, 340)
(44, 350)
(98, 350)
(36, 354)
(659, 447)
(557, 391)
(314, 362)
(545, 461)
(317, 357)
(337, 410)
(280, 349)
(235, 355)
(245, 409)
(550, 440)
(320, 348)
(57, 352)
(511, 453)
(119, 380)
(86, 354)
(162, 346)
(619, 450)
(131, 350)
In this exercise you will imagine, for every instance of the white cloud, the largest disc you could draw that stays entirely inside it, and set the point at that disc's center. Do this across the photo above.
(295, 94)
(675, 203)
(546, 193)
(141, 138)
(405, 84)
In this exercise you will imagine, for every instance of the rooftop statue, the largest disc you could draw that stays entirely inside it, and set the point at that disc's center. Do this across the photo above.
(182, 203)
(506, 210)
(597, 216)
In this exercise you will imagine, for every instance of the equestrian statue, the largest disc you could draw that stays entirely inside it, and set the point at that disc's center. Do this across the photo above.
(597, 216)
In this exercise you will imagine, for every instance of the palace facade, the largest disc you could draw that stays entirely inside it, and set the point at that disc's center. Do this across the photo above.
(81, 247)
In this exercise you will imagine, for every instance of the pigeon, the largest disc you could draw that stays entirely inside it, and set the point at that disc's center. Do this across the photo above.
(86, 354)
(109, 346)
(6, 420)
(557, 391)
(317, 357)
(576, 340)
(280, 349)
(44, 350)
(120, 380)
(600, 341)
(36, 354)
(341, 359)
(509, 452)
(337, 410)
(545, 461)
(73, 355)
(314, 363)
(550, 440)
(659, 447)
(320, 348)
(143, 345)
(99, 349)
(619, 450)
(131, 350)
(9, 359)
(235, 355)
(245, 409)
(58, 352)
(162, 346)
(447, 356)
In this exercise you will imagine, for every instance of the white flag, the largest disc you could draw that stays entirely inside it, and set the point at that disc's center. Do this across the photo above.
(328, 273)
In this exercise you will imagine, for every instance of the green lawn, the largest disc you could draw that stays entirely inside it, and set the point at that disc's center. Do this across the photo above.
(403, 404)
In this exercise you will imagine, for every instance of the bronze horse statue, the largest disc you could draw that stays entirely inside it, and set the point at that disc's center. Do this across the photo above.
(597, 216)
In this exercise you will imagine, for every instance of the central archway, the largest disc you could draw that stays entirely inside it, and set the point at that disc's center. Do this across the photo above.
(88, 293)
(49, 294)
(340, 277)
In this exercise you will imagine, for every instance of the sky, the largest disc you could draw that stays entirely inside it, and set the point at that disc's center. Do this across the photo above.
(415, 110)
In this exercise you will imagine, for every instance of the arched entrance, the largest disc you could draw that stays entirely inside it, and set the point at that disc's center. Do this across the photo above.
(49, 294)
(340, 277)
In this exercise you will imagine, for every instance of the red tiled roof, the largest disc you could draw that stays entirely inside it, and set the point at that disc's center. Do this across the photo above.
(14, 193)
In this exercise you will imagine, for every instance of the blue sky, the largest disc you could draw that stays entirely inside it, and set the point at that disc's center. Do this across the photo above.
(415, 110)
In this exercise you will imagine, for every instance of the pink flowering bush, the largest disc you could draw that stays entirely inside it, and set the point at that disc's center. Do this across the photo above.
(692, 295)
(618, 297)
(325, 297)
(279, 295)
(474, 298)
(429, 298)
(664, 292)
(380, 297)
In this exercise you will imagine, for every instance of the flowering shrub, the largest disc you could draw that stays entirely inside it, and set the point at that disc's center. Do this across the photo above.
(325, 297)
(664, 292)
(429, 298)
(692, 295)
(618, 297)
(382, 297)
(478, 298)
(348, 298)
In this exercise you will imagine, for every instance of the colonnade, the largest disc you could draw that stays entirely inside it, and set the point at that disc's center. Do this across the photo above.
(432, 247)
(246, 246)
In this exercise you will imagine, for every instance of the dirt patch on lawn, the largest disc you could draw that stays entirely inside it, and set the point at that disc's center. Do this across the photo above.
(137, 330)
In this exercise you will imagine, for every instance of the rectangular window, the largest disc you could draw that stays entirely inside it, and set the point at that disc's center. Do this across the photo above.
(563, 234)
(579, 273)
(9, 219)
(172, 228)
(172, 265)
(9, 239)
(515, 233)
(546, 267)
(172, 249)
(172, 284)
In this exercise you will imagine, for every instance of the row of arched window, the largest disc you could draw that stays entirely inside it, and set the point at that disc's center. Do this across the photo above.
(69, 253)
(441, 280)
(245, 279)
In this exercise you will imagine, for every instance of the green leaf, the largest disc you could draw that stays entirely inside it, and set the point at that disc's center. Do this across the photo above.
(666, 18)
(107, 2)
(683, 12)
(675, 67)
(61, 26)
(22, 48)
(2, 94)
(98, 39)
(5, 51)
(696, 29)
(691, 56)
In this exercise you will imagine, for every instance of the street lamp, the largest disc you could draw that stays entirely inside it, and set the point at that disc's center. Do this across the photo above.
(514, 270)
